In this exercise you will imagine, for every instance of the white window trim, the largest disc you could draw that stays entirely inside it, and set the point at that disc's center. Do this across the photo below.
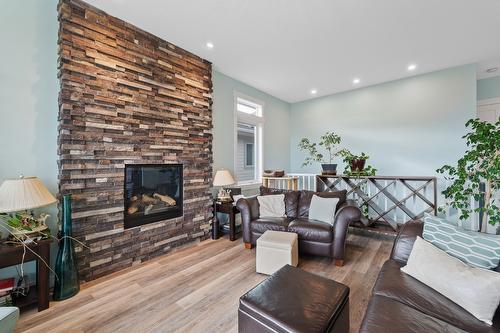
(258, 122)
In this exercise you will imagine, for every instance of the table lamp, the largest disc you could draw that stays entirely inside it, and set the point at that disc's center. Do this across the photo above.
(24, 193)
(223, 178)
(20, 195)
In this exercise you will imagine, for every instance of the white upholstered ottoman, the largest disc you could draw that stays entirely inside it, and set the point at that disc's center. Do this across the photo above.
(276, 249)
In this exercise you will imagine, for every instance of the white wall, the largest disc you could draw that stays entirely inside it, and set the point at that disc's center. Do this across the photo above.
(408, 127)
(28, 95)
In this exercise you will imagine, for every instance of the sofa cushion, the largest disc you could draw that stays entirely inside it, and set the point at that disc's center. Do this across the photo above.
(452, 278)
(396, 285)
(260, 225)
(323, 209)
(291, 199)
(306, 197)
(312, 230)
(387, 315)
(474, 248)
(271, 205)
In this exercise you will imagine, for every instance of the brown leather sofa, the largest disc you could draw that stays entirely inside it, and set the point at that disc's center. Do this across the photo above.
(315, 237)
(400, 303)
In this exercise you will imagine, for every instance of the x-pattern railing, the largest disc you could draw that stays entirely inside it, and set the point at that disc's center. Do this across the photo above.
(383, 196)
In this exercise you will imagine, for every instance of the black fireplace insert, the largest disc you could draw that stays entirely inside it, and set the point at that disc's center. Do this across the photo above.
(153, 192)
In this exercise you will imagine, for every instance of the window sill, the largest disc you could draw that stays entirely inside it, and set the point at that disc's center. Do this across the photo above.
(249, 185)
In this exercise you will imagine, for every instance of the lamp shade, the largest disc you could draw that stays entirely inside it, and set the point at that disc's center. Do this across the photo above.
(223, 178)
(24, 193)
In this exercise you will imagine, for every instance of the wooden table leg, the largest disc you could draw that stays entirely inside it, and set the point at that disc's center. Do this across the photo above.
(232, 226)
(215, 224)
(295, 184)
(43, 278)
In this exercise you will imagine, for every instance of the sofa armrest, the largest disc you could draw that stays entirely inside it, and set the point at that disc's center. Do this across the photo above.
(348, 212)
(9, 316)
(249, 210)
(404, 240)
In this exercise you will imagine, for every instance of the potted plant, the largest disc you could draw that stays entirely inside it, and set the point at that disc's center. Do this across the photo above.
(476, 174)
(356, 164)
(329, 142)
(24, 227)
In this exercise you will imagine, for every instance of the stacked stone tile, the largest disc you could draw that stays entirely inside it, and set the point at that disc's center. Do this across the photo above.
(128, 97)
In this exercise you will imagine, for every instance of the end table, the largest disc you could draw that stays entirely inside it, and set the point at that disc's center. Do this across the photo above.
(224, 208)
(11, 255)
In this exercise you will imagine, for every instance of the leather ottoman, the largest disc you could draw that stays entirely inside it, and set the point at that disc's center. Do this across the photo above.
(292, 300)
(276, 249)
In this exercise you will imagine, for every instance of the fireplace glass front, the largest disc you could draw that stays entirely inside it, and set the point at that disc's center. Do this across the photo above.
(153, 192)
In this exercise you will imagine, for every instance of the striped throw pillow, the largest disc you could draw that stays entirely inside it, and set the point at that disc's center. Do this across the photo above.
(474, 248)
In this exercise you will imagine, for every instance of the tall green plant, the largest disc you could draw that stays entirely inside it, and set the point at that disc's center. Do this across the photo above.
(328, 141)
(480, 164)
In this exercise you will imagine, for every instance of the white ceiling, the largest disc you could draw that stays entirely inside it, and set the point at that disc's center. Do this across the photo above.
(288, 47)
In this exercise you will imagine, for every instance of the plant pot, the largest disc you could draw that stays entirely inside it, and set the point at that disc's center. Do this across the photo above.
(329, 167)
(357, 165)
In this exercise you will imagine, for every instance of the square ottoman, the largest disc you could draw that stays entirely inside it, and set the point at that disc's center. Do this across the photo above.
(292, 300)
(276, 249)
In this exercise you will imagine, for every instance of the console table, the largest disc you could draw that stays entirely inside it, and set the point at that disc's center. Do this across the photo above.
(383, 198)
(11, 255)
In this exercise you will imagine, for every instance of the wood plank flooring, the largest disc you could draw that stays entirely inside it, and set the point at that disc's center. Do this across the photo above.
(196, 289)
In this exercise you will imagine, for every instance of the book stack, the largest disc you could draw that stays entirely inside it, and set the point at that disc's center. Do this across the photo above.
(6, 287)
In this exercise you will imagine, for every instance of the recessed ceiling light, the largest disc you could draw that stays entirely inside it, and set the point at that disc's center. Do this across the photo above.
(412, 67)
(492, 70)
(314, 92)
(356, 81)
(210, 45)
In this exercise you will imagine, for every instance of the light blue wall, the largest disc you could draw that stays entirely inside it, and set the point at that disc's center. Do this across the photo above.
(28, 95)
(276, 127)
(408, 127)
(488, 88)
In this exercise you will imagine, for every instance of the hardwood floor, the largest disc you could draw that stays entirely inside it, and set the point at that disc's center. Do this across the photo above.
(196, 289)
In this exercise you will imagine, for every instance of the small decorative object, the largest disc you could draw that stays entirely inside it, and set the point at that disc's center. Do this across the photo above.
(66, 282)
(356, 164)
(477, 174)
(26, 228)
(17, 196)
(273, 173)
(328, 141)
(223, 178)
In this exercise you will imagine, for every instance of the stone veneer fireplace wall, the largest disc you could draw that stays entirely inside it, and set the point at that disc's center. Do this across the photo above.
(128, 97)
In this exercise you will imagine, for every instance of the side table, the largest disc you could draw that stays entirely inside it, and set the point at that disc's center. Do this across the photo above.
(224, 208)
(11, 255)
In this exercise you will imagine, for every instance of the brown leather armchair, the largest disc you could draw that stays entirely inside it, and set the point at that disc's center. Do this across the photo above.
(315, 237)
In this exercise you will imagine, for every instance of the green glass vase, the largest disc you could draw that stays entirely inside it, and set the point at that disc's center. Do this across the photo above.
(66, 282)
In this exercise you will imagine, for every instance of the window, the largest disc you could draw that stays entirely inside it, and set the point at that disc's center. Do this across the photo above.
(248, 136)
(249, 155)
(249, 107)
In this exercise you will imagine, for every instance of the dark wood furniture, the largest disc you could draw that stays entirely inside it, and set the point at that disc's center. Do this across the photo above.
(224, 208)
(11, 255)
(386, 197)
